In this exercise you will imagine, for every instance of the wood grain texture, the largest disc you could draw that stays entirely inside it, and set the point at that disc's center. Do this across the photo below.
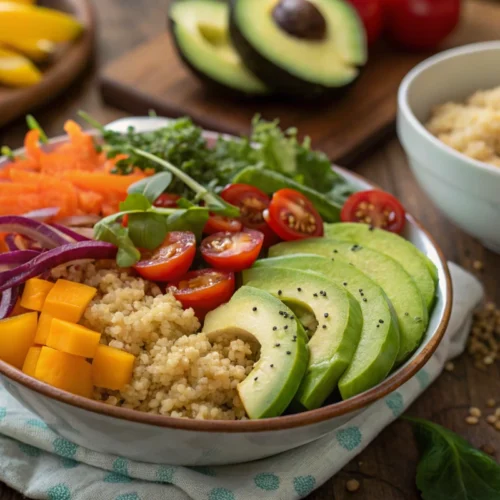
(386, 469)
(153, 77)
(68, 64)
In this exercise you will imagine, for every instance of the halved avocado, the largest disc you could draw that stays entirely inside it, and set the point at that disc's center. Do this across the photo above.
(200, 32)
(300, 47)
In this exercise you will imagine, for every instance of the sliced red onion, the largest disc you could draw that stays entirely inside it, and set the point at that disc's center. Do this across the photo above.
(8, 301)
(17, 257)
(71, 232)
(38, 231)
(79, 220)
(43, 214)
(55, 257)
(18, 242)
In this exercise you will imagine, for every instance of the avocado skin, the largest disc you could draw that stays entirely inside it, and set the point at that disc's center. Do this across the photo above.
(215, 85)
(274, 76)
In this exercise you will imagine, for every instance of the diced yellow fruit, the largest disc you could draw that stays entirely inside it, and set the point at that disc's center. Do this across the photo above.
(42, 332)
(65, 371)
(35, 293)
(18, 309)
(19, 21)
(16, 337)
(112, 368)
(16, 70)
(36, 50)
(26, 2)
(73, 339)
(29, 366)
(68, 300)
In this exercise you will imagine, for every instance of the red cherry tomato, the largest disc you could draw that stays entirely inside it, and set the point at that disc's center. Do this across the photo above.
(232, 251)
(377, 208)
(370, 12)
(167, 200)
(171, 260)
(204, 290)
(219, 224)
(292, 216)
(421, 24)
(252, 202)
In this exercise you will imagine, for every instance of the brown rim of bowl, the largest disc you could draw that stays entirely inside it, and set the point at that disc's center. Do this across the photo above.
(268, 424)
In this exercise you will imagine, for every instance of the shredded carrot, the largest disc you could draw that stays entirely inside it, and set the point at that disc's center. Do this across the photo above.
(74, 177)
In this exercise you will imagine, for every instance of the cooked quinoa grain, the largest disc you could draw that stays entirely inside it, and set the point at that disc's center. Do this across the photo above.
(178, 372)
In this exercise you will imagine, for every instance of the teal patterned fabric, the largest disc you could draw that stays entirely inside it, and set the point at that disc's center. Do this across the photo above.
(40, 463)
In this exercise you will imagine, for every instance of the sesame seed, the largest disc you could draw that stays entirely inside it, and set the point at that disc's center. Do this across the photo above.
(326, 315)
(277, 345)
(365, 300)
(335, 251)
(281, 313)
(475, 412)
(345, 283)
(360, 290)
(470, 420)
(299, 289)
(279, 292)
(352, 485)
(450, 366)
(315, 294)
(407, 314)
(491, 419)
(322, 292)
(272, 366)
(288, 352)
(254, 309)
(478, 265)
(324, 327)
(286, 327)
(378, 326)
(381, 321)
(275, 328)
(491, 403)
(256, 378)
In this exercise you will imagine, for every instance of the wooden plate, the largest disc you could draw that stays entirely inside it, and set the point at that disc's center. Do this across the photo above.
(67, 65)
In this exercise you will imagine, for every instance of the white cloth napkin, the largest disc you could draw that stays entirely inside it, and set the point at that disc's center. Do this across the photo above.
(38, 462)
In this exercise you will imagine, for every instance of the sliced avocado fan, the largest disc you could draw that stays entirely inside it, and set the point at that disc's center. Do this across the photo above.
(339, 319)
(201, 35)
(397, 284)
(256, 315)
(379, 342)
(415, 263)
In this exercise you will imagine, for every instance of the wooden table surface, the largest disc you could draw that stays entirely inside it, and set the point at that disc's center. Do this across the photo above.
(386, 469)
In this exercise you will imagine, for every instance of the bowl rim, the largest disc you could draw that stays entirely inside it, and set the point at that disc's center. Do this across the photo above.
(306, 418)
(407, 111)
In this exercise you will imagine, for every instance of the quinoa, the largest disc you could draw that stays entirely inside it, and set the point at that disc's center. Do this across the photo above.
(473, 127)
(178, 371)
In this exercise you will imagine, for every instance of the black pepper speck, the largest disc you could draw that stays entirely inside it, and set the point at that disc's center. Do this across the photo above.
(256, 378)
(345, 283)
(289, 352)
(299, 289)
(365, 300)
(324, 327)
(380, 321)
(254, 309)
(279, 292)
(275, 328)
(277, 345)
(326, 315)
(315, 294)
(272, 366)
(286, 327)
(335, 251)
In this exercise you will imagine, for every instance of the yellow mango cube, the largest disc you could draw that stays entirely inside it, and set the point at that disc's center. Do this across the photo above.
(16, 337)
(42, 332)
(68, 300)
(72, 339)
(112, 368)
(18, 309)
(64, 371)
(35, 293)
(29, 366)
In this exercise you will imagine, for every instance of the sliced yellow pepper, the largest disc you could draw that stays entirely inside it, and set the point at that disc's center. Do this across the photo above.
(18, 21)
(17, 70)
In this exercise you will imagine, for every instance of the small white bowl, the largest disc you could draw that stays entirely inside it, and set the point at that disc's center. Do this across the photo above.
(466, 190)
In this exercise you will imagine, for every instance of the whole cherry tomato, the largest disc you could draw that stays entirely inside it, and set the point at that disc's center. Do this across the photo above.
(370, 12)
(421, 24)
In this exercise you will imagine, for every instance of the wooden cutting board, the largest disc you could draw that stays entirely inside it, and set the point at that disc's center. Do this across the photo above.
(153, 77)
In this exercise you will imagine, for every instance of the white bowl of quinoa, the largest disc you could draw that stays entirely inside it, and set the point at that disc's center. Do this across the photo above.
(449, 125)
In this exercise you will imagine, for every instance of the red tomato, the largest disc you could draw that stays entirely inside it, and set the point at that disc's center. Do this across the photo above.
(292, 216)
(232, 251)
(167, 200)
(252, 202)
(421, 24)
(204, 290)
(377, 208)
(170, 260)
(370, 12)
(219, 224)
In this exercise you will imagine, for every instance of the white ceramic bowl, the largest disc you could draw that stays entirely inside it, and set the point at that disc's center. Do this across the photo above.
(157, 439)
(466, 190)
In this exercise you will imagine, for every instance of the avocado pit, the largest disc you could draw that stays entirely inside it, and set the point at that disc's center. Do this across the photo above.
(301, 19)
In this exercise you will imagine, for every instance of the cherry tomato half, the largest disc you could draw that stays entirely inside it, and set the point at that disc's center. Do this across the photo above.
(204, 290)
(370, 12)
(219, 224)
(292, 216)
(252, 202)
(171, 260)
(232, 251)
(378, 208)
(167, 200)
(422, 24)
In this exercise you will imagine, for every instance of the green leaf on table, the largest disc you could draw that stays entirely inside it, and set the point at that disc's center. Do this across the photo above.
(147, 229)
(115, 233)
(191, 219)
(152, 187)
(450, 468)
(135, 201)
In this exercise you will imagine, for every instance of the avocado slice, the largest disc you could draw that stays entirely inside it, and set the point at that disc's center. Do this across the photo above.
(253, 314)
(300, 47)
(415, 263)
(397, 284)
(334, 342)
(201, 35)
(379, 342)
